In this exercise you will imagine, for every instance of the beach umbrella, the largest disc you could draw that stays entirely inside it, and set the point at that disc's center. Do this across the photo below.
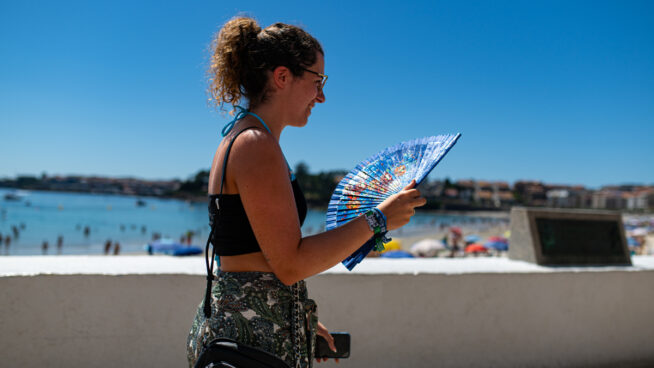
(641, 231)
(392, 245)
(472, 238)
(476, 248)
(380, 176)
(396, 254)
(427, 248)
(172, 248)
(498, 239)
(632, 222)
(497, 245)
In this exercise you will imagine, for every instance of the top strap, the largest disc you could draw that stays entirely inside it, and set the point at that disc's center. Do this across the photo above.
(229, 148)
(242, 112)
(210, 264)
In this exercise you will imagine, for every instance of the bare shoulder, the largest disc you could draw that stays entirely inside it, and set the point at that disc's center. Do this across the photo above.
(244, 154)
(255, 152)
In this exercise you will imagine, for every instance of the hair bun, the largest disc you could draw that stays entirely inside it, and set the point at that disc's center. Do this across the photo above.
(241, 32)
(242, 55)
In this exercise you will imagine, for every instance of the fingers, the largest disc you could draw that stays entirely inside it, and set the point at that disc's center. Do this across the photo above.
(325, 359)
(330, 342)
(414, 196)
(324, 332)
(410, 190)
(420, 201)
(412, 193)
(411, 185)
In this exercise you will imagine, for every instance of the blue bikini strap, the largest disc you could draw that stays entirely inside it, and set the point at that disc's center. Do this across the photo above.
(240, 115)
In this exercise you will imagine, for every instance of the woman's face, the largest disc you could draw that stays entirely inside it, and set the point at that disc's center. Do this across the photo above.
(307, 91)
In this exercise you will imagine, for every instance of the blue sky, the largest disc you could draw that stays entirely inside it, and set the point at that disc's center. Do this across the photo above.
(557, 91)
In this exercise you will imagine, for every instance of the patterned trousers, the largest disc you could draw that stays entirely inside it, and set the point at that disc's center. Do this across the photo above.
(255, 308)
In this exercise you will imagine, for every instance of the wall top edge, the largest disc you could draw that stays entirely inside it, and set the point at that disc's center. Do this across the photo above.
(165, 265)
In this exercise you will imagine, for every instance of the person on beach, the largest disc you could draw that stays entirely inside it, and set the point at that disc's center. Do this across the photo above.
(107, 246)
(454, 240)
(256, 206)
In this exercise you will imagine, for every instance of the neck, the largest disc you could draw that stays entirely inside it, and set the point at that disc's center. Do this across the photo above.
(273, 117)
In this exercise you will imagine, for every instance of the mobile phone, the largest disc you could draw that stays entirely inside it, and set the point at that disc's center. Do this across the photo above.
(342, 342)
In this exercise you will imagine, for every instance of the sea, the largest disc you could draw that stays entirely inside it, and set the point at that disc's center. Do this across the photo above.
(85, 222)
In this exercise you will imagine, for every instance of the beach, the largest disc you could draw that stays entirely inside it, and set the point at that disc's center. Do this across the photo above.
(87, 221)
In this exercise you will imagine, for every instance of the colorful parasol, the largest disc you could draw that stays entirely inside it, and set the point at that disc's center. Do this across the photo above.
(379, 177)
(476, 248)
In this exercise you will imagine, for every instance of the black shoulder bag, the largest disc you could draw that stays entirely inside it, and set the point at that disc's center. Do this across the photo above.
(223, 352)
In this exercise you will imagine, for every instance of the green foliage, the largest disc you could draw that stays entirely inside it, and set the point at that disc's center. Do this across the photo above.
(317, 188)
(196, 185)
(27, 182)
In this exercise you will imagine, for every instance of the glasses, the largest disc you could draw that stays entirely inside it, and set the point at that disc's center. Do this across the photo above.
(323, 76)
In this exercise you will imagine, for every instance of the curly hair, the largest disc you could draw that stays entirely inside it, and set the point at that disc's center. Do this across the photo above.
(243, 53)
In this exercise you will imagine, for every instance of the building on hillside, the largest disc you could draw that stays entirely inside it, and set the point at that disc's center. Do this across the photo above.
(466, 190)
(530, 193)
(608, 198)
(566, 196)
(485, 194)
(639, 199)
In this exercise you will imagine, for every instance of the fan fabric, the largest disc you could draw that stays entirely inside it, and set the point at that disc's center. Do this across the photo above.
(380, 176)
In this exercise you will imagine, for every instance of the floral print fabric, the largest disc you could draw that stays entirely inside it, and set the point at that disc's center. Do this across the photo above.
(254, 308)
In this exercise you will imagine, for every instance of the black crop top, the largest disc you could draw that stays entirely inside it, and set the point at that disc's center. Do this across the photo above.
(233, 234)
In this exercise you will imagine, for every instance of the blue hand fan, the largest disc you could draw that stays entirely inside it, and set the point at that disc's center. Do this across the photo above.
(380, 176)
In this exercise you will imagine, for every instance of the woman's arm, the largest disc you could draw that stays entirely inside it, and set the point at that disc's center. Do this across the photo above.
(260, 173)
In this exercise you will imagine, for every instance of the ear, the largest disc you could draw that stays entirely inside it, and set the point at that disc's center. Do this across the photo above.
(281, 77)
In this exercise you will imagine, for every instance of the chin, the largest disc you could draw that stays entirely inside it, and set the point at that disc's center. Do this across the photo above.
(301, 123)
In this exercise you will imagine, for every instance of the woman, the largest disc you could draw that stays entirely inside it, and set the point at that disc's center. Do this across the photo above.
(263, 258)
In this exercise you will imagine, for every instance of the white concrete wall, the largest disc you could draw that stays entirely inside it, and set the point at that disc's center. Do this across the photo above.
(453, 313)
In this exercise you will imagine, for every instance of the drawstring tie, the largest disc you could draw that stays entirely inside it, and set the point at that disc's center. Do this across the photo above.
(240, 115)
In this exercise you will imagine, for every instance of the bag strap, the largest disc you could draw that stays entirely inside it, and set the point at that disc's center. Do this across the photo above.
(226, 352)
(209, 265)
(296, 325)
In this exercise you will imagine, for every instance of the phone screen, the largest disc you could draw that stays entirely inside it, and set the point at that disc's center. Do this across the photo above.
(342, 342)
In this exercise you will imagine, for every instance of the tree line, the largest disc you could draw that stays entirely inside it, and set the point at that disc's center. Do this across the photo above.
(317, 188)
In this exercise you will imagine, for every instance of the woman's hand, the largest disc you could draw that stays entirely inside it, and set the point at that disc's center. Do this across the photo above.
(399, 207)
(322, 331)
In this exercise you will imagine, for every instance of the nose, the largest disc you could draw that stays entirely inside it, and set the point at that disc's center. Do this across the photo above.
(320, 98)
